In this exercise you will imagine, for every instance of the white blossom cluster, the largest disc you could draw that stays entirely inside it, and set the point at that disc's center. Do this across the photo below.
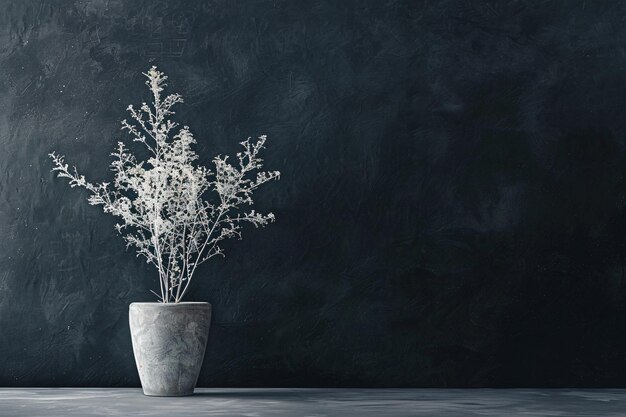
(162, 203)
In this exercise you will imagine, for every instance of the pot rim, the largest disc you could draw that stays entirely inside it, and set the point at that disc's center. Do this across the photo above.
(181, 303)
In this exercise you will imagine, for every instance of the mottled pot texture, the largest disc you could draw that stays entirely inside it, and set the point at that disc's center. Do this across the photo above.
(169, 341)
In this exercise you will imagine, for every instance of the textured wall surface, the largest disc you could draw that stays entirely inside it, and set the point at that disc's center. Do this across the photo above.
(451, 211)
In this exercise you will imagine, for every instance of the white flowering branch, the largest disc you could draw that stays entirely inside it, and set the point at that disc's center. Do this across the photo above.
(162, 202)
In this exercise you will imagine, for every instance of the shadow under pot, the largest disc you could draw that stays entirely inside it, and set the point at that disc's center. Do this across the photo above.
(169, 342)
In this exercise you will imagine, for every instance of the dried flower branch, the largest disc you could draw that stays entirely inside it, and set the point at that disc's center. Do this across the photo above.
(161, 202)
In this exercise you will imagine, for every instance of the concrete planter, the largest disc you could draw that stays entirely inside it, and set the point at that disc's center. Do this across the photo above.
(169, 341)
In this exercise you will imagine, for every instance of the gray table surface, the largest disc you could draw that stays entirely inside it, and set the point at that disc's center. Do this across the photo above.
(66, 402)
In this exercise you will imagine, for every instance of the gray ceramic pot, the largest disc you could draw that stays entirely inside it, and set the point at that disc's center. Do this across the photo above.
(169, 340)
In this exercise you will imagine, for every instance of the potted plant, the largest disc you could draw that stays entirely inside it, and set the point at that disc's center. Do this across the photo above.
(175, 214)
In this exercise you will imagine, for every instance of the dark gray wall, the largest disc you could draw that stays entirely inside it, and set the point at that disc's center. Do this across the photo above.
(451, 212)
